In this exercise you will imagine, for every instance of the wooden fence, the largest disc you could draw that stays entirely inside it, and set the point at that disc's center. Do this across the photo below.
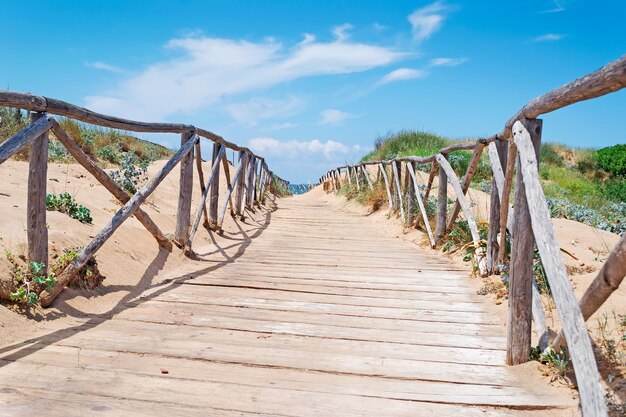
(246, 188)
(512, 152)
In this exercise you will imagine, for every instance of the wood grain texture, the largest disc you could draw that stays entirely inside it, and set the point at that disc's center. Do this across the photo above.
(579, 343)
(607, 281)
(467, 180)
(243, 161)
(420, 203)
(479, 254)
(257, 336)
(103, 178)
(383, 171)
(36, 228)
(231, 188)
(213, 177)
(24, 137)
(183, 213)
(198, 155)
(47, 296)
(519, 324)
(214, 193)
(506, 214)
(398, 189)
(442, 205)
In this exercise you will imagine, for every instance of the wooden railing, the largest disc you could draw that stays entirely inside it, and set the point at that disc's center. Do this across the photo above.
(246, 188)
(514, 151)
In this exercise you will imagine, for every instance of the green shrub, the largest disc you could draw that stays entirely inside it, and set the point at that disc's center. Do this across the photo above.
(549, 155)
(65, 203)
(108, 154)
(612, 159)
(31, 282)
(132, 172)
(57, 152)
(406, 142)
(615, 189)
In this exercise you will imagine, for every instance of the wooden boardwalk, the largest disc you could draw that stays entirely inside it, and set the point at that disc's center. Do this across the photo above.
(323, 315)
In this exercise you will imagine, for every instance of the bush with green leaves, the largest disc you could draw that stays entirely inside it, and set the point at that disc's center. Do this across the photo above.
(31, 282)
(108, 154)
(612, 159)
(132, 172)
(65, 203)
(57, 152)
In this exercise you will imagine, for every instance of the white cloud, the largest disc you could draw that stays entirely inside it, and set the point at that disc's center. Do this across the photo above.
(308, 38)
(341, 32)
(549, 37)
(105, 67)
(311, 150)
(334, 116)
(261, 108)
(378, 27)
(558, 6)
(206, 70)
(428, 20)
(283, 126)
(402, 74)
(447, 62)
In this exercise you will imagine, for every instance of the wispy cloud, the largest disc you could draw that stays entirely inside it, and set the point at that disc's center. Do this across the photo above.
(261, 108)
(313, 149)
(402, 74)
(557, 7)
(282, 126)
(428, 20)
(341, 32)
(549, 37)
(206, 70)
(105, 67)
(447, 62)
(334, 116)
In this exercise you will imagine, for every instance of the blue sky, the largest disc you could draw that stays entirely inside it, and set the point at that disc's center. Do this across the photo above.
(311, 84)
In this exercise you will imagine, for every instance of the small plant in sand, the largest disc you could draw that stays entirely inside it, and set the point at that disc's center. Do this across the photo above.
(31, 282)
(65, 203)
(132, 172)
(558, 364)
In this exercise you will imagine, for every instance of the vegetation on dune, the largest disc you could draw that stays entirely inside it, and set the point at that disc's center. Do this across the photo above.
(107, 146)
(584, 185)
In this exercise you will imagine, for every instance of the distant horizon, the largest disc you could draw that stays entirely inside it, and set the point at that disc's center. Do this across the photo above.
(311, 85)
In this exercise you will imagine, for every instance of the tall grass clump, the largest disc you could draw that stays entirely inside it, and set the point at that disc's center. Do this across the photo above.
(406, 142)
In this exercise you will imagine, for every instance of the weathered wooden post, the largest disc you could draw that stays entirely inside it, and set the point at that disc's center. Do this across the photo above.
(519, 327)
(36, 230)
(396, 170)
(183, 219)
(241, 184)
(410, 195)
(442, 203)
(215, 187)
(494, 209)
(250, 185)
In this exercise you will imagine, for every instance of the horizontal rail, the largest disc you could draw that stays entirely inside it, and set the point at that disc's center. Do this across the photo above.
(43, 104)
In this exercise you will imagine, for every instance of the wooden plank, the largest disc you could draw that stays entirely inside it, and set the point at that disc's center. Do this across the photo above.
(519, 326)
(580, 350)
(213, 177)
(431, 238)
(24, 137)
(183, 213)
(356, 177)
(103, 178)
(467, 180)
(36, 228)
(479, 254)
(226, 169)
(216, 159)
(47, 296)
(431, 178)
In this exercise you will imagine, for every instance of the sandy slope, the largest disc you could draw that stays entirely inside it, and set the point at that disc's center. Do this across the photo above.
(130, 260)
